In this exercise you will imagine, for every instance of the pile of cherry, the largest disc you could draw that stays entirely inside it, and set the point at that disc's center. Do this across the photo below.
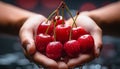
(58, 40)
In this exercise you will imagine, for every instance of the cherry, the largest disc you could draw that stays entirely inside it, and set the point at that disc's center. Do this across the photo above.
(59, 41)
(62, 33)
(41, 42)
(59, 20)
(54, 50)
(72, 48)
(77, 32)
(43, 27)
(86, 44)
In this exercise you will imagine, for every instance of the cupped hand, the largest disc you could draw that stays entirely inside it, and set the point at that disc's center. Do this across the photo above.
(89, 25)
(27, 34)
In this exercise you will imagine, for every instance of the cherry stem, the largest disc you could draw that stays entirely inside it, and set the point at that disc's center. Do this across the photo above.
(64, 5)
(63, 13)
(54, 33)
(55, 11)
(51, 15)
(75, 18)
(69, 13)
(76, 15)
(73, 25)
(49, 18)
(70, 36)
(61, 3)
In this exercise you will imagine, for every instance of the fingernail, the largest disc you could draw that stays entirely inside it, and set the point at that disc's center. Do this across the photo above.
(30, 49)
(27, 47)
(97, 53)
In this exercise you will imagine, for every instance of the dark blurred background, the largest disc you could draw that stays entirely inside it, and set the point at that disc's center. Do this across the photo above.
(11, 54)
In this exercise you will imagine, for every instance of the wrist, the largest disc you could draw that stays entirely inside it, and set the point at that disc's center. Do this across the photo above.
(11, 21)
(22, 18)
(19, 20)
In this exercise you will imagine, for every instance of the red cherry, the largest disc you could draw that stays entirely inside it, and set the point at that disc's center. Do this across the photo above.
(43, 27)
(86, 44)
(41, 42)
(62, 33)
(72, 48)
(77, 32)
(54, 50)
(59, 20)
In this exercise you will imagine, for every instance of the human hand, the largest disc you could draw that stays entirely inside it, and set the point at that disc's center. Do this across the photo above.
(27, 34)
(89, 25)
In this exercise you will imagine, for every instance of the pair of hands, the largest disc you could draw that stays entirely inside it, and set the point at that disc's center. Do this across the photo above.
(27, 33)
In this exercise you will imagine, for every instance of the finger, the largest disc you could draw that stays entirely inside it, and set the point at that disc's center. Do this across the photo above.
(62, 65)
(27, 40)
(27, 55)
(31, 59)
(90, 26)
(45, 61)
(97, 35)
(82, 59)
(27, 33)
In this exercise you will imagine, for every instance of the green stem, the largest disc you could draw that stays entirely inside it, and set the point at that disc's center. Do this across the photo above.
(70, 14)
(75, 18)
(63, 12)
(49, 18)
(51, 15)
(76, 15)
(73, 26)
(70, 36)
(55, 11)
(48, 28)
(57, 14)
(54, 33)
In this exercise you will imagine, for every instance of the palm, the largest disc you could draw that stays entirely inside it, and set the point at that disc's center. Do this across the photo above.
(27, 34)
(89, 25)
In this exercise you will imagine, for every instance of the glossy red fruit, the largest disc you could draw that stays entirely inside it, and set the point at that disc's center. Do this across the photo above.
(77, 32)
(72, 48)
(59, 20)
(62, 33)
(41, 41)
(43, 27)
(54, 50)
(86, 44)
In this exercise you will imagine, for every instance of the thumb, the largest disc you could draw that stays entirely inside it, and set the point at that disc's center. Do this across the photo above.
(27, 40)
(97, 35)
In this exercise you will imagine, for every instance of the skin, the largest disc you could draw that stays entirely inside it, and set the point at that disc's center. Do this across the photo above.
(98, 22)
(12, 18)
(107, 18)
(23, 23)
(90, 26)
